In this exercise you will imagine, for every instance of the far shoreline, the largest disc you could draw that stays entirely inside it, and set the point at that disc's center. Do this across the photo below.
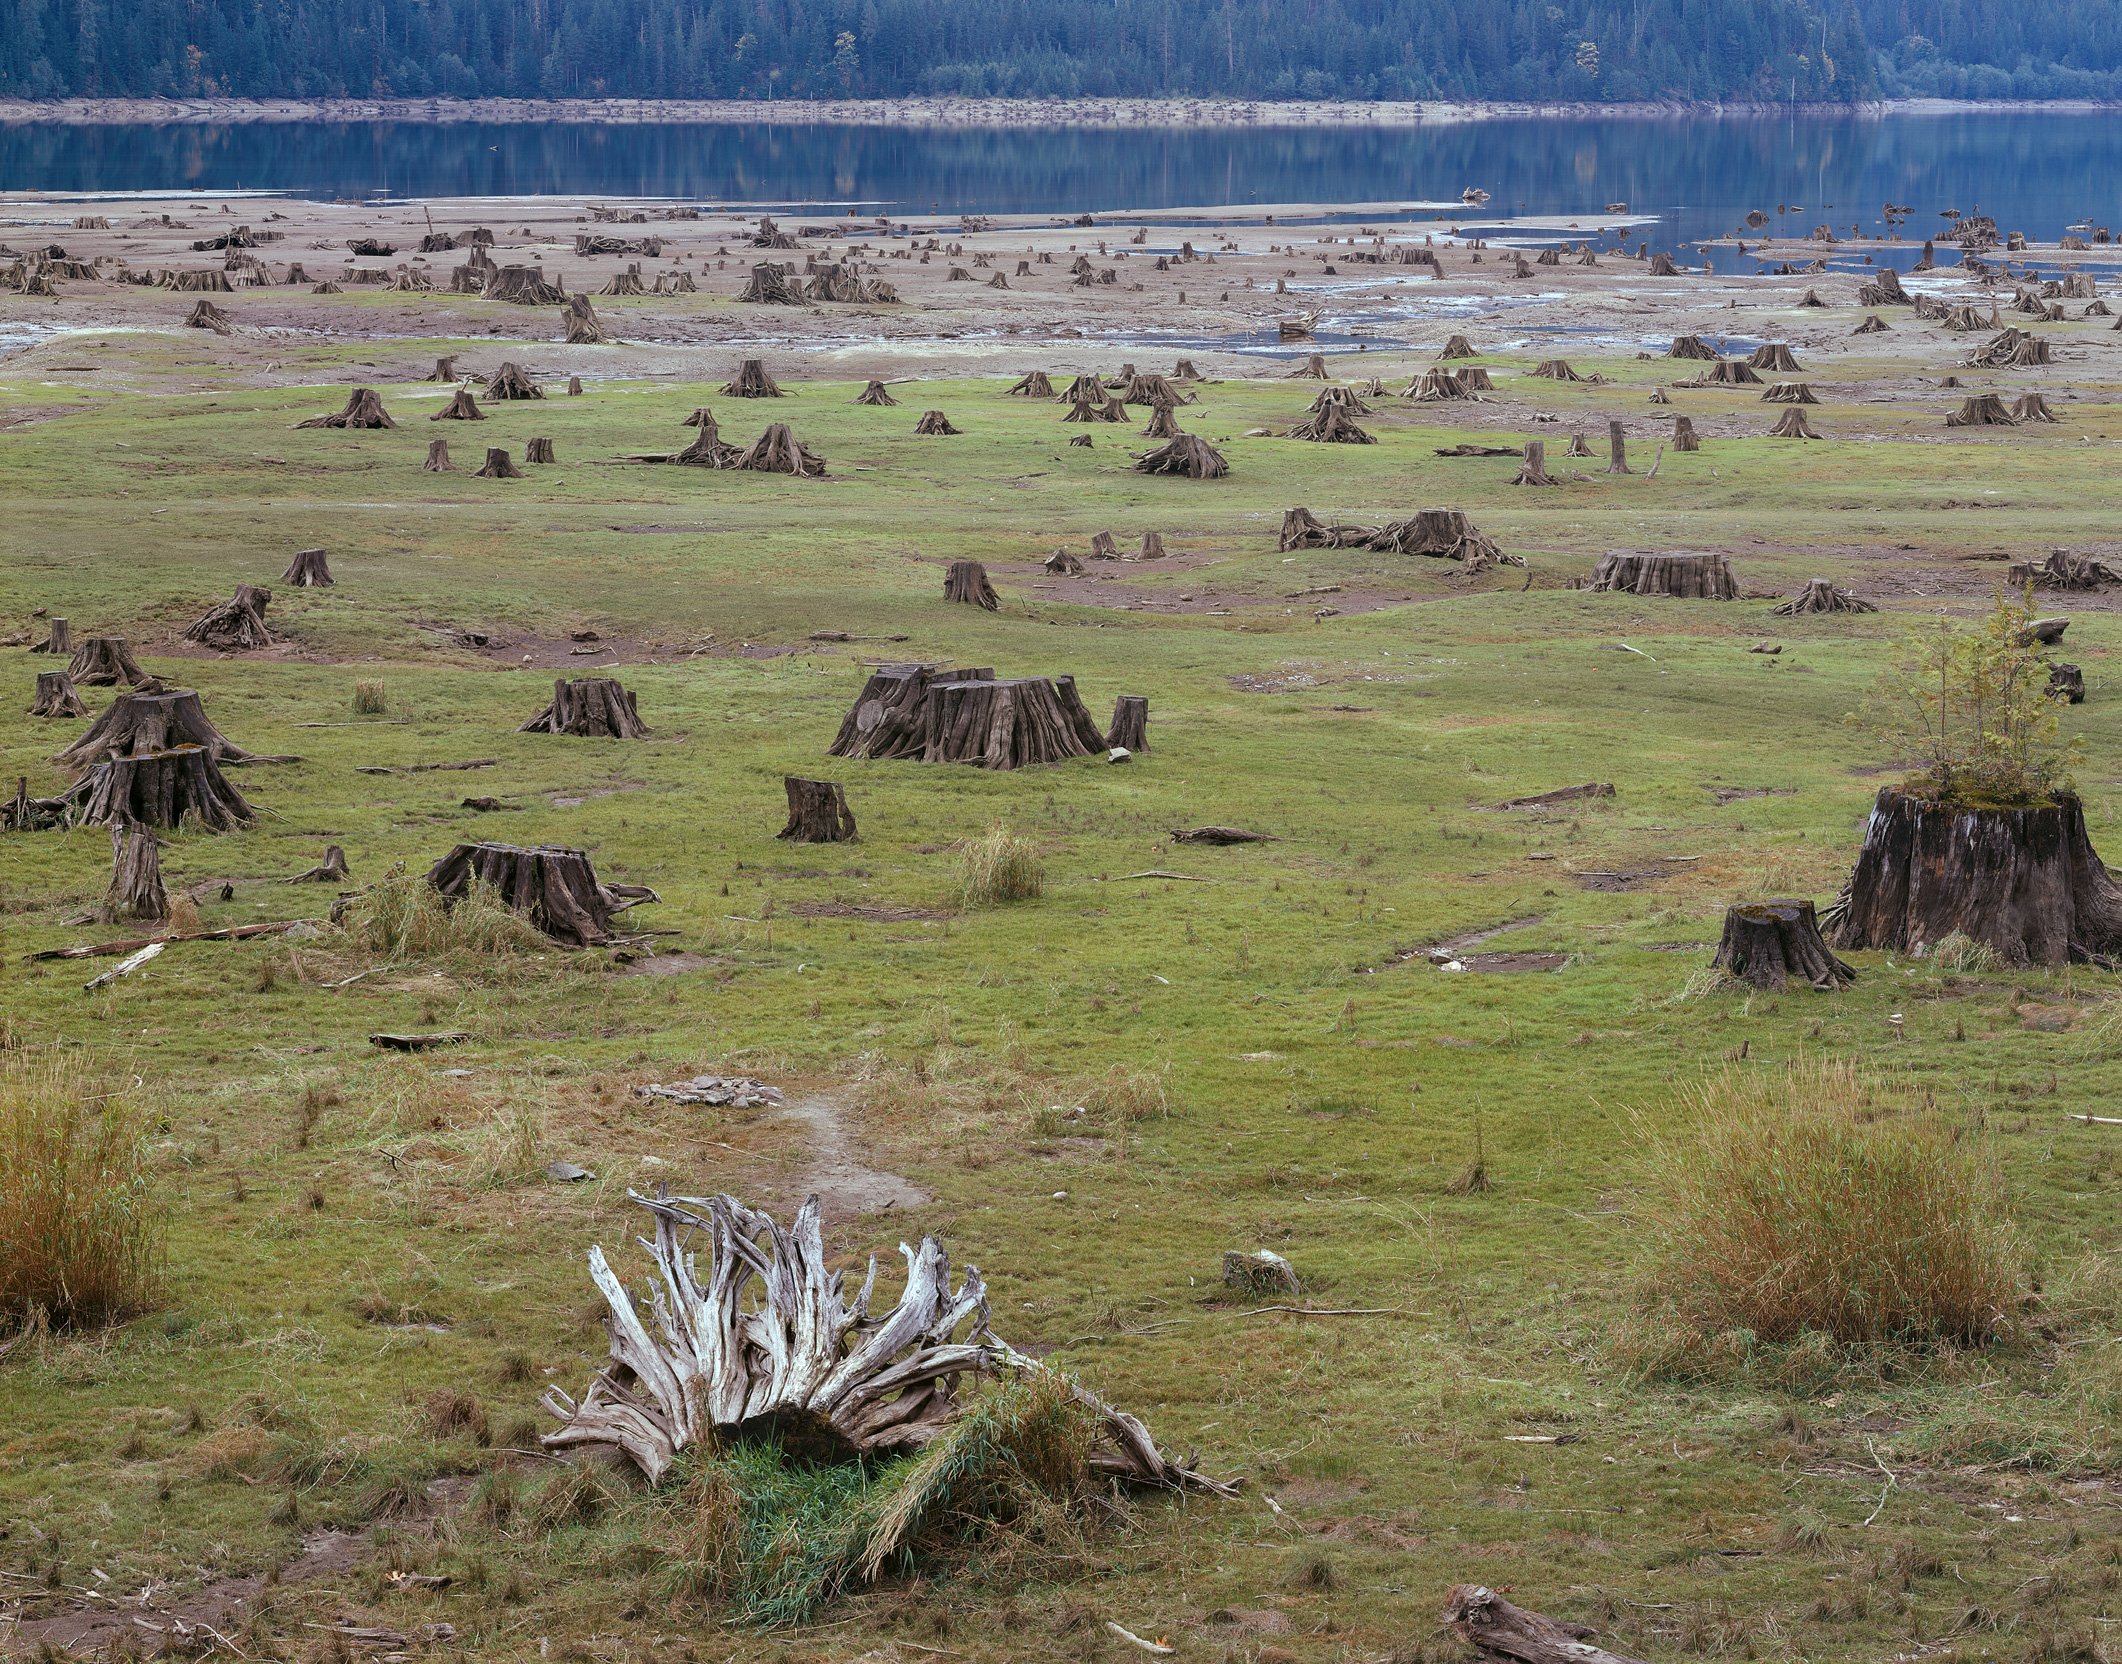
(968, 113)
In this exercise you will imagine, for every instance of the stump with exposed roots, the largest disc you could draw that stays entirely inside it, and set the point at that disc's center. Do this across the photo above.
(1023, 723)
(1333, 425)
(556, 889)
(777, 451)
(2032, 407)
(708, 448)
(889, 718)
(164, 789)
(1445, 533)
(105, 661)
(1163, 424)
(1775, 355)
(877, 393)
(1684, 436)
(934, 424)
(1792, 425)
(751, 382)
(364, 409)
(1773, 943)
(1820, 595)
(1189, 457)
(237, 625)
(1691, 346)
(310, 569)
(1578, 446)
(2024, 882)
(438, 461)
(591, 707)
(445, 368)
(331, 870)
(1533, 469)
(1457, 347)
(1313, 368)
(1129, 730)
(966, 583)
(136, 877)
(1617, 449)
(538, 450)
(1982, 410)
(1555, 369)
(56, 696)
(580, 323)
(2066, 682)
(2062, 569)
(141, 724)
(462, 407)
(58, 639)
(512, 381)
(1699, 577)
(817, 812)
(499, 466)
(1789, 392)
(206, 315)
(1032, 385)
(1485, 1620)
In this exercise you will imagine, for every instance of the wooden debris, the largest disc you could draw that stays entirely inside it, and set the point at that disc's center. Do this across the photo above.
(125, 967)
(817, 812)
(331, 870)
(418, 1042)
(1220, 836)
(555, 888)
(227, 933)
(1487, 1621)
(1562, 794)
(1263, 1271)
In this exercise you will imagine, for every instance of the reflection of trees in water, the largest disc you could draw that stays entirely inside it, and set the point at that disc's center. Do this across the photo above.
(1701, 174)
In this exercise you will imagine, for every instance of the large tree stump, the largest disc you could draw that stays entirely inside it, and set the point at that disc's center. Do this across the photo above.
(1768, 943)
(438, 461)
(142, 724)
(750, 1334)
(105, 661)
(538, 450)
(556, 889)
(308, 570)
(58, 639)
(1533, 469)
(1702, 577)
(462, 407)
(512, 381)
(56, 696)
(1445, 533)
(751, 382)
(1333, 425)
(778, 451)
(817, 812)
(1789, 392)
(580, 324)
(966, 582)
(164, 789)
(206, 315)
(1792, 424)
(1555, 369)
(1189, 456)
(499, 465)
(594, 707)
(1034, 385)
(1023, 723)
(1690, 346)
(890, 716)
(237, 625)
(1486, 1620)
(2025, 882)
(136, 877)
(1130, 724)
(364, 409)
(1617, 449)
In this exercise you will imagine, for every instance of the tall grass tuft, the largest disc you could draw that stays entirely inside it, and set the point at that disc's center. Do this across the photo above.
(1807, 1204)
(80, 1236)
(999, 866)
(404, 917)
(368, 699)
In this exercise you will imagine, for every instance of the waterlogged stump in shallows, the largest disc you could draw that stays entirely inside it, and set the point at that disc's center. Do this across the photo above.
(1773, 943)
(2024, 882)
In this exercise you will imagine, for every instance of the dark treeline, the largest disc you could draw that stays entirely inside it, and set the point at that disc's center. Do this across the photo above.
(1593, 50)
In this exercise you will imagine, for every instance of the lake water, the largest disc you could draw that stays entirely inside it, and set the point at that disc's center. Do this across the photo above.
(2037, 172)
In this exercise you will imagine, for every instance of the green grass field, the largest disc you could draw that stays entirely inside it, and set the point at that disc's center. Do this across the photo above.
(349, 1232)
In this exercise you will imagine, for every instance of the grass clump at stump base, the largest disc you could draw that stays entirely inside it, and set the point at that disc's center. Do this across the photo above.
(402, 916)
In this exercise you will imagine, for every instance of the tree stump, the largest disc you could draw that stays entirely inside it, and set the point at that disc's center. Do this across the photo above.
(817, 812)
(1768, 943)
(1163, 423)
(594, 707)
(934, 424)
(2062, 569)
(1024, 723)
(331, 870)
(751, 382)
(1793, 425)
(2025, 882)
(1442, 532)
(1130, 724)
(1555, 369)
(308, 570)
(1313, 368)
(58, 639)
(2046, 631)
(511, 381)
(707, 449)
(462, 407)
(445, 368)
(1104, 546)
(499, 466)
(1484, 1619)
(1457, 347)
(364, 409)
(574, 387)
(877, 393)
(890, 716)
(579, 320)
(778, 451)
(1819, 595)
(163, 789)
(1152, 546)
(1617, 449)
(1034, 385)
(237, 625)
(105, 661)
(1064, 563)
(136, 877)
(438, 461)
(966, 582)
(1578, 446)
(56, 696)
(2065, 682)
(556, 889)
(1775, 355)
(1702, 577)
(1684, 437)
(1189, 456)
(1533, 470)
(1789, 392)
(142, 724)
(1333, 425)
(1983, 410)
(2032, 407)
(538, 450)
(206, 315)
(1690, 346)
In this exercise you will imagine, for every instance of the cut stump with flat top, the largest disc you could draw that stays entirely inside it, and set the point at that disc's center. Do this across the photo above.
(966, 583)
(1772, 943)
(136, 877)
(817, 812)
(556, 889)
(1130, 725)
(1702, 577)
(591, 707)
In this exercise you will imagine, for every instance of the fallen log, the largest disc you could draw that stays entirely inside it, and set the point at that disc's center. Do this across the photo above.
(227, 933)
(1484, 1619)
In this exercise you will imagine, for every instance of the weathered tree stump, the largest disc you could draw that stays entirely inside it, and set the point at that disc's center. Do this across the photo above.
(1063, 562)
(499, 466)
(1774, 355)
(462, 407)
(1690, 346)
(579, 322)
(1333, 425)
(1189, 456)
(538, 450)
(1130, 724)
(817, 812)
(1792, 425)
(1578, 446)
(1152, 546)
(1088, 401)
(1443, 532)
(1789, 392)
(934, 424)
(778, 451)
(2032, 407)
(310, 569)
(1484, 1619)
(1163, 423)
(141, 724)
(1768, 943)
(594, 707)
(331, 870)
(1104, 546)
(574, 387)
(751, 382)
(1727, 372)
(438, 461)
(445, 368)
(2062, 569)
(136, 877)
(105, 661)
(58, 639)
(1617, 449)
(1684, 436)
(237, 625)
(1820, 595)
(1457, 347)
(1533, 470)
(1873, 324)
(164, 789)
(206, 315)
(1034, 385)
(966, 583)
(1555, 369)
(556, 889)
(56, 696)
(707, 450)
(364, 409)
(512, 381)
(836, 1382)
(1024, 723)
(1313, 368)
(1702, 577)
(877, 393)
(2065, 682)
(2025, 882)
(889, 718)
(1982, 410)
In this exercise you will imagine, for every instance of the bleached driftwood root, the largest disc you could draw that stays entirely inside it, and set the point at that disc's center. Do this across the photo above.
(797, 1361)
